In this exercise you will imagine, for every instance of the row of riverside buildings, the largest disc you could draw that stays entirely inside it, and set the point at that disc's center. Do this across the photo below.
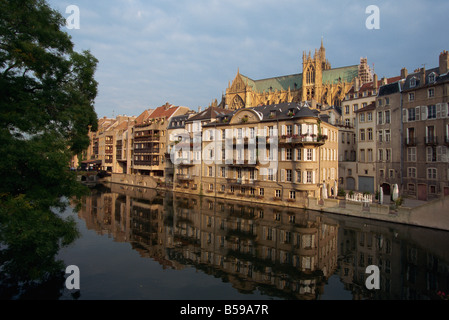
(288, 138)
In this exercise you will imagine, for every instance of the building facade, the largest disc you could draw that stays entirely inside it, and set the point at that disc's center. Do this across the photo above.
(426, 125)
(318, 82)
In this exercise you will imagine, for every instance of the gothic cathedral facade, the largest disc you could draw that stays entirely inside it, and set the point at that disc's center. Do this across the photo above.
(317, 83)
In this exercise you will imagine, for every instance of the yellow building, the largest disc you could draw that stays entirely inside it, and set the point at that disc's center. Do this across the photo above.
(318, 82)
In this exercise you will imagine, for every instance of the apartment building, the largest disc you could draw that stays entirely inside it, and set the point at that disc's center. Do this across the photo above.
(426, 127)
(359, 97)
(150, 140)
(278, 153)
(389, 136)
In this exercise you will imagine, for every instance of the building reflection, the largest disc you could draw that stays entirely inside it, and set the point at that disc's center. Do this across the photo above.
(280, 252)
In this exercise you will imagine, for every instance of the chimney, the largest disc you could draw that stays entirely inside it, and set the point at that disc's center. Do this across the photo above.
(357, 84)
(422, 75)
(404, 73)
(375, 81)
(383, 81)
(444, 62)
(199, 109)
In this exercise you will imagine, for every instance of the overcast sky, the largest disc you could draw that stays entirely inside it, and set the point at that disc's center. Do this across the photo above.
(186, 52)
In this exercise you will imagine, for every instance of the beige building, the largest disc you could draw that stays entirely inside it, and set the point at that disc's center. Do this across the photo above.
(278, 154)
(365, 174)
(150, 140)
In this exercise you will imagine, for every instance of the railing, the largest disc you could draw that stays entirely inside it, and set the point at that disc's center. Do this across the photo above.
(410, 141)
(431, 140)
(303, 139)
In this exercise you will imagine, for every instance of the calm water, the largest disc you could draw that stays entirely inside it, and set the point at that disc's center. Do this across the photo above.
(148, 244)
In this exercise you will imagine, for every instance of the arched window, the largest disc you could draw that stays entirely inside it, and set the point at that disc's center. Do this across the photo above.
(310, 75)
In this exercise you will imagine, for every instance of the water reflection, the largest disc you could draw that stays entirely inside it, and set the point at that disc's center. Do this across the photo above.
(282, 253)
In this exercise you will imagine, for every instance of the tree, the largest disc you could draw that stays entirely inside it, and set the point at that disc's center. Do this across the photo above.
(47, 93)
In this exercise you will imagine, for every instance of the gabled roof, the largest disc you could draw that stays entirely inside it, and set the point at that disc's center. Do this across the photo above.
(143, 116)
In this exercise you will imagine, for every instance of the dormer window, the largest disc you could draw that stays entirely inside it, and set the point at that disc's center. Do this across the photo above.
(432, 77)
(413, 82)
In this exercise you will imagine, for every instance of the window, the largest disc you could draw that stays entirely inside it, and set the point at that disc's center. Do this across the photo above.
(387, 136)
(223, 172)
(298, 176)
(309, 177)
(270, 174)
(387, 101)
(391, 173)
(288, 175)
(289, 130)
(347, 122)
(288, 154)
(346, 109)
(252, 132)
(388, 155)
(277, 193)
(379, 102)
(413, 82)
(411, 154)
(210, 171)
(292, 195)
(432, 173)
(381, 155)
(370, 134)
(380, 118)
(261, 192)
(431, 112)
(362, 155)
(355, 107)
(387, 116)
(432, 77)
(411, 96)
(380, 137)
(211, 187)
(342, 137)
(370, 155)
(362, 117)
(309, 154)
(431, 93)
(411, 114)
(411, 172)
(431, 154)
(298, 154)
(369, 116)
(362, 134)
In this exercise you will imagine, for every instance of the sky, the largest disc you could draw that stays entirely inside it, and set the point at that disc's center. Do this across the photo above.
(186, 52)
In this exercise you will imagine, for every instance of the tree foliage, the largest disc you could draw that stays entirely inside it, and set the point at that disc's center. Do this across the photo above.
(47, 93)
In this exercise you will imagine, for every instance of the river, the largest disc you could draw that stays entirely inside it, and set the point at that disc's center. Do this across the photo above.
(139, 243)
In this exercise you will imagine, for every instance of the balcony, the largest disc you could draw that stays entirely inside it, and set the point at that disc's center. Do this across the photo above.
(243, 163)
(303, 139)
(147, 150)
(184, 177)
(431, 141)
(146, 163)
(410, 142)
(242, 182)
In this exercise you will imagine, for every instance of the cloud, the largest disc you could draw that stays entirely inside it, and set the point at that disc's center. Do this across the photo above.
(186, 52)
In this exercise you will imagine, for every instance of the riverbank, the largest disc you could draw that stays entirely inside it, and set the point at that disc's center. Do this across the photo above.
(431, 214)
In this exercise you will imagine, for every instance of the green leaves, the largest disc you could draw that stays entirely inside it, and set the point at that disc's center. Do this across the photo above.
(47, 93)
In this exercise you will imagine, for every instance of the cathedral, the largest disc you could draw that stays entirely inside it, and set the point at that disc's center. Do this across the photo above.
(317, 83)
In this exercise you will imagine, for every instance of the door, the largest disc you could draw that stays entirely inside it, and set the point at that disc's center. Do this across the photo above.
(422, 192)
(366, 184)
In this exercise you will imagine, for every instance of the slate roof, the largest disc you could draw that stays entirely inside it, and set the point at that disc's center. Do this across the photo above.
(417, 76)
(209, 113)
(390, 88)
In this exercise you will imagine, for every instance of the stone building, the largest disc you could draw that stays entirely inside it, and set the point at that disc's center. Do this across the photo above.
(318, 82)
(426, 127)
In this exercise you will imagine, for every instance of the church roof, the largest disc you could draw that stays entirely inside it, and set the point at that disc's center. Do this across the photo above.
(294, 81)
